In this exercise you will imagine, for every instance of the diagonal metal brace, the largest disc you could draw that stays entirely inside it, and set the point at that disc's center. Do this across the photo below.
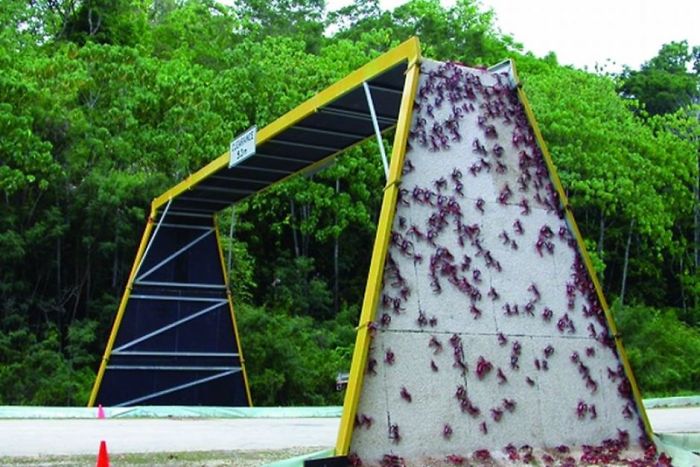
(174, 255)
(177, 388)
(171, 325)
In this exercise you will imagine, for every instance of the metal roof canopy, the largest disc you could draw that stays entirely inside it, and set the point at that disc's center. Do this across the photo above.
(304, 139)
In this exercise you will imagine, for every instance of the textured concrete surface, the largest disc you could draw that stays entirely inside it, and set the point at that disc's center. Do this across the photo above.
(481, 261)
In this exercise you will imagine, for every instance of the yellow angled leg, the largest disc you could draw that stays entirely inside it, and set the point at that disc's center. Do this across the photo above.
(233, 313)
(122, 307)
(376, 269)
(587, 261)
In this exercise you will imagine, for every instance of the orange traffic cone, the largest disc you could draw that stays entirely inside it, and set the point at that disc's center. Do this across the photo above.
(102, 456)
(100, 412)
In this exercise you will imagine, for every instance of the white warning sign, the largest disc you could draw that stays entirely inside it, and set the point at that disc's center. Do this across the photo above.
(243, 146)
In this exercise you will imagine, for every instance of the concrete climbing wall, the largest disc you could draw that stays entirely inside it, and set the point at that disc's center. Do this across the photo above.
(490, 344)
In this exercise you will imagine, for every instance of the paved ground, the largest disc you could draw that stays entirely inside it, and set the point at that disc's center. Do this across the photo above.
(72, 437)
(675, 420)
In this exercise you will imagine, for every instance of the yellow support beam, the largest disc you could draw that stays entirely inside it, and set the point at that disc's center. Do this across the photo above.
(122, 306)
(379, 252)
(229, 298)
(584, 254)
(406, 51)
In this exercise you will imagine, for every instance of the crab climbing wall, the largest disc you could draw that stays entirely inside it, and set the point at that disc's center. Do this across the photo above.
(490, 341)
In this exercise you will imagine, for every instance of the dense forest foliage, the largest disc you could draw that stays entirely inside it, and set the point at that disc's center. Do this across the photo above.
(106, 103)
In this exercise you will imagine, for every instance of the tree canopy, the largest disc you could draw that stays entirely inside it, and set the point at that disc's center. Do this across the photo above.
(104, 104)
(667, 82)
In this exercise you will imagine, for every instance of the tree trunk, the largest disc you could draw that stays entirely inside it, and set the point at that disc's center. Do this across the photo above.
(601, 234)
(94, 27)
(305, 238)
(336, 247)
(230, 242)
(58, 269)
(683, 300)
(697, 220)
(88, 282)
(294, 229)
(626, 263)
(115, 260)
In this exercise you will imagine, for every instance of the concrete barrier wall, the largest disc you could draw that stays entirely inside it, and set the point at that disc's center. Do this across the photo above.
(490, 341)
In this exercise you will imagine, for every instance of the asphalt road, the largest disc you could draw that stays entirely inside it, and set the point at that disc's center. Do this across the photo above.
(61, 437)
(20, 438)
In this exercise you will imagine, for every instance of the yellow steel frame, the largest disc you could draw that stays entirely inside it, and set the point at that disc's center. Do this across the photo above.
(408, 51)
(405, 51)
(379, 252)
(584, 253)
(122, 307)
(229, 297)
(125, 300)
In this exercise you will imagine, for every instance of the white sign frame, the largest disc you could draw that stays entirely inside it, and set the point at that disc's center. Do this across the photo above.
(243, 146)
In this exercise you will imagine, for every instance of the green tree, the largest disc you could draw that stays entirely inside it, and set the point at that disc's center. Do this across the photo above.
(684, 125)
(463, 32)
(104, 104)
(663, 351)
(299, 19)
(118, 22)
(293, 360)
(629, 185)
(665, 83)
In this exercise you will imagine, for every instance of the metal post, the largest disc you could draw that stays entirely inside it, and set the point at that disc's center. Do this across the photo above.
(380, 141)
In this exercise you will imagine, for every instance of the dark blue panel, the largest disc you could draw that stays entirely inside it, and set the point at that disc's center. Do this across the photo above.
(202, 347)
(198, 264)
(121, 386)
(145, 316)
